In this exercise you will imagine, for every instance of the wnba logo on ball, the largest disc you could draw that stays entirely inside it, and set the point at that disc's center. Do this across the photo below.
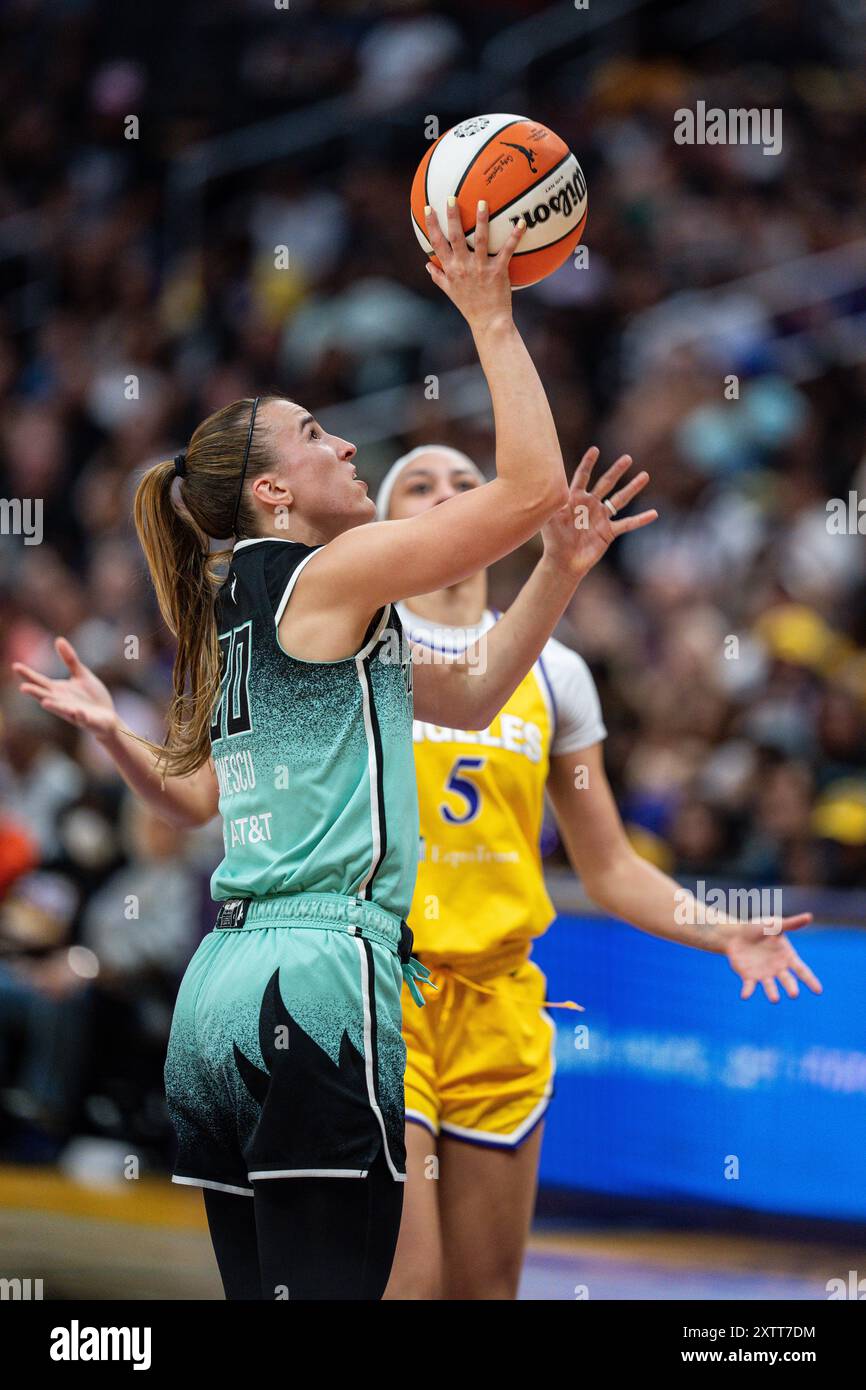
(564, 202)
(471, 127)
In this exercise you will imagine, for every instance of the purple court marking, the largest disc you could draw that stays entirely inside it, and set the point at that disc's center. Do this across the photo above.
(552, 1276)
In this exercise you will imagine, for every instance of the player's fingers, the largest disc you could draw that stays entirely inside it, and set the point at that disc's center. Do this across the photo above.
(68, 655)
(809, 978)
(482, 230)
(436, 236)
(612, 476)
(455, 230)
(35, 677)
(583, 471)
(624, 524)
(39, 692)
(748, 989)
(624, 495)
(789, 984)
(802, 919)
(436, 275)
(506, 251)
(771, 989)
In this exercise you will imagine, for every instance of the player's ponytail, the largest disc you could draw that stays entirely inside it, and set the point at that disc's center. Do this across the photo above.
(176, 539)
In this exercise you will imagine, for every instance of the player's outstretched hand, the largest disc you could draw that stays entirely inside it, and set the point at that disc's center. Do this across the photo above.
(477, 283)
(761, 954)
(81, 698)
(576, 537)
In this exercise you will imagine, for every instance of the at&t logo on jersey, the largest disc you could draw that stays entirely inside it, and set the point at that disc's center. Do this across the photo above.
(248, 830)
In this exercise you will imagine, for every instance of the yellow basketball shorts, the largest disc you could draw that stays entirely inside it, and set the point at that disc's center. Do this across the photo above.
(480, 1056)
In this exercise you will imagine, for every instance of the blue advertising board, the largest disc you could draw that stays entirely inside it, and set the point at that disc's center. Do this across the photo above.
(671, 1087)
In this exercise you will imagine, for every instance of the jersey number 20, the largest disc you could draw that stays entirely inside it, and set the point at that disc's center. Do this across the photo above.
(234, 701)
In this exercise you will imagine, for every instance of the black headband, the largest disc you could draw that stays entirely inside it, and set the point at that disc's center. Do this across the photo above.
(245, 462)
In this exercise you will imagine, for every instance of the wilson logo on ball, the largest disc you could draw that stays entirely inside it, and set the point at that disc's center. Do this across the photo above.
(521, 169)
(564, 202)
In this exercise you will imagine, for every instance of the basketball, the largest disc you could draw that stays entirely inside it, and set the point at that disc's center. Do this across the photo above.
(521, 169)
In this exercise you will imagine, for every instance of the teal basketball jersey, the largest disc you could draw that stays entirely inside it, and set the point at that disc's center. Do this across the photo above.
(314, 759)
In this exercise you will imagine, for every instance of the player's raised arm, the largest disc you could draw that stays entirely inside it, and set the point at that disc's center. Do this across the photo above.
(469, 690)
(375, 564)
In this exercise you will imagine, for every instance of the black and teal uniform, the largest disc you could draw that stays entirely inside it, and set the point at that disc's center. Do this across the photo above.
(286, 1057)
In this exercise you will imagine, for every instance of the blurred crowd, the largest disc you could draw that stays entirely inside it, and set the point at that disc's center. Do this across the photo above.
(714, 331)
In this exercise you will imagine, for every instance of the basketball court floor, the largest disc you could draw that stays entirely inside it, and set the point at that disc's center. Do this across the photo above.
(147, 1239)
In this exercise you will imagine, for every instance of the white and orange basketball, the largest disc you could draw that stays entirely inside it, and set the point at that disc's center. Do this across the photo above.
(521, 169)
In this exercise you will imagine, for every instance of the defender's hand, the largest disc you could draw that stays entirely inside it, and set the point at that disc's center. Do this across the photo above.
(760, 953)
(576, 537)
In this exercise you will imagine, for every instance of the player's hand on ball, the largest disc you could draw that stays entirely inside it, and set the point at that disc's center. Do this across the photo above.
(576, 537)
(478, 284)
(81, 698)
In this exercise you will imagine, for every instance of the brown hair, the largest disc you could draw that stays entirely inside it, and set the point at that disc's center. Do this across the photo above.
(186, 575)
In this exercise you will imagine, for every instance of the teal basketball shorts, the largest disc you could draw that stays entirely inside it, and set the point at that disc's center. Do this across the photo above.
(286, 1056)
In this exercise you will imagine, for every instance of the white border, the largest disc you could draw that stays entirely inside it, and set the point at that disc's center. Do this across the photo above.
(287, 592)
(499, 1141)
(419, 1118)
(216, 1186)
(368, 1057)
(256, 540)
(308, 1173)
(372, 777)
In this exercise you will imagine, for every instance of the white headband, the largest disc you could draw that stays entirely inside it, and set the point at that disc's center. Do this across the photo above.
(386, 487)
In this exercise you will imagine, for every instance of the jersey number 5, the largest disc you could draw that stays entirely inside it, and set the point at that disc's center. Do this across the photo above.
(461, 786)
(234, 701)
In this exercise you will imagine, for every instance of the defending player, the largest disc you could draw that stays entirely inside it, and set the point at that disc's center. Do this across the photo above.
(479, 1068)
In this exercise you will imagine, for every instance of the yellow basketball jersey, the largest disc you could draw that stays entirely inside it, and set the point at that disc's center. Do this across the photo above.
(480, 893)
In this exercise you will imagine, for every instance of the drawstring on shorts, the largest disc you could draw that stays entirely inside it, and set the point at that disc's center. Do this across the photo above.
(450, 973)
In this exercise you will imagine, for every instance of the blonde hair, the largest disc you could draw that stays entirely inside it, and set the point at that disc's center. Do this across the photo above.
(187, 575)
